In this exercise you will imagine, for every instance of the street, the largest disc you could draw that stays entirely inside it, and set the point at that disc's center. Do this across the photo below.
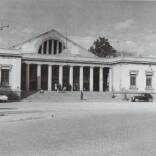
(86, 129)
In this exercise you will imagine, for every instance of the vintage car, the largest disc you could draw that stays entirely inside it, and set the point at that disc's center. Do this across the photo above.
(3, 98)
(142, 97)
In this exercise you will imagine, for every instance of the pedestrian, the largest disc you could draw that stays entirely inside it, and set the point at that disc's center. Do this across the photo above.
(55, 86)
(81, 95)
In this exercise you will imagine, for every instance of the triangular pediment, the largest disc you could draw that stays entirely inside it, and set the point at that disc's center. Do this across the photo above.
(71, 48)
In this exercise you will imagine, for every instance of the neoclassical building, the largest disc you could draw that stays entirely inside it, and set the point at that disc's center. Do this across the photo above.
(51, 59)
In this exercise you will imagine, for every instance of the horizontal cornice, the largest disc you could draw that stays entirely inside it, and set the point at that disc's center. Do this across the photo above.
(87, 60)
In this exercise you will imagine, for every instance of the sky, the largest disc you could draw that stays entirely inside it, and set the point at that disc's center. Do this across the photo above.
(130, 26)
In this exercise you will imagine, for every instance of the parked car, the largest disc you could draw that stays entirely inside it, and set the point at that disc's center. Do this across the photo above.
(3, 98)
(142, 97)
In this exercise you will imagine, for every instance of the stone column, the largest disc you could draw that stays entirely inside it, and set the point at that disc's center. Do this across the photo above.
(110, 80)
(38, 76)
(52, 47)
(71, 76)
(27, 77)
(101, 79)
(61, 75)
(81, 78)
(49, 77)
(91, 79)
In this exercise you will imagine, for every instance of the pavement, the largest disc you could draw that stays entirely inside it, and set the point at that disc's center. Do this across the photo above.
(78, 129)
(90, 127)
(41, 105)
(28, 110)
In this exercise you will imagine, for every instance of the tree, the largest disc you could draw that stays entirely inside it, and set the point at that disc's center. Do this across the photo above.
(102, 48)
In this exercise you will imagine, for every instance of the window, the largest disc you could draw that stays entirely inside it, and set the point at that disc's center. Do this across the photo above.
(148, 80)
(60, 47)
(133, 79)
(5, 77)
(45, 47)
(40, 50)
(51, 47)
(55, 46)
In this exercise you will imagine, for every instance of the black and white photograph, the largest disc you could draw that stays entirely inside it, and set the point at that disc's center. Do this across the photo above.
(77, 78)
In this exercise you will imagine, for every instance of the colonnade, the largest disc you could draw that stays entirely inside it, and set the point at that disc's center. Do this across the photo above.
(60, 79)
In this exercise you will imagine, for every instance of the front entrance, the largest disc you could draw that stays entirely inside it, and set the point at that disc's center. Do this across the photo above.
(76, 73)
(55, 76)
(66, 84)
(30, 81)
(96, 79)
(44, 77)
(86, 78)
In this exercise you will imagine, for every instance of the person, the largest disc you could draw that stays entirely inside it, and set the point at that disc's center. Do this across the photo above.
(64, 88)
(55, 86)
(81, 95)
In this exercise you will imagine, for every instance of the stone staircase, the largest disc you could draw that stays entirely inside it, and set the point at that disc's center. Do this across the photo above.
(48, 96)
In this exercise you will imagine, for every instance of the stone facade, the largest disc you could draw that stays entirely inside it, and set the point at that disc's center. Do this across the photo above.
(51, 60)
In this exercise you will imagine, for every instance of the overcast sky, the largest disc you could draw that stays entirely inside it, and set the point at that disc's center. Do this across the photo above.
(130, 26)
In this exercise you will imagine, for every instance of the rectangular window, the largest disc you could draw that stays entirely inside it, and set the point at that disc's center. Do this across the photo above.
(133, 80)
(5, 77)
(50, 46)
(55, 46)
(40, 50)
(45, 47)
(60, 47)
(149, 80)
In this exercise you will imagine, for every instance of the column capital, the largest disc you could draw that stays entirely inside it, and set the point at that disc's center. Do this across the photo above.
(61, 65)
(71, 66)
(28, 63)
(91, 66)
(101, 67)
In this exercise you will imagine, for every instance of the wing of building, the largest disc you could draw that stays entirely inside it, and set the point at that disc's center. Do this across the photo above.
(51, 61)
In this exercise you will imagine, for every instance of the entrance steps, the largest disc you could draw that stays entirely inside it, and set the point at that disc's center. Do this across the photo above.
(51, 96)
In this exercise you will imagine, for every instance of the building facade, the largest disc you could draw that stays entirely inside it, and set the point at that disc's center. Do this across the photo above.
(51, 60)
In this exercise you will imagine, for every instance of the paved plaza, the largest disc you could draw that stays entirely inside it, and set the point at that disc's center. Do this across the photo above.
(82, 128)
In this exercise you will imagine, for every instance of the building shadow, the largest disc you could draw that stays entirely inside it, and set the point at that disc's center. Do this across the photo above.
(25, 94)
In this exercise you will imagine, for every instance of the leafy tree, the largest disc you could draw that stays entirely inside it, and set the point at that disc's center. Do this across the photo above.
(102, 48)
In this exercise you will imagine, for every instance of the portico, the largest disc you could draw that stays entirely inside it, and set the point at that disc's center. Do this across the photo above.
(84, 80)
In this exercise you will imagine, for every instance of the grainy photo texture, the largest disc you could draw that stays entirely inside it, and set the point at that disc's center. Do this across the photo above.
(77, 78)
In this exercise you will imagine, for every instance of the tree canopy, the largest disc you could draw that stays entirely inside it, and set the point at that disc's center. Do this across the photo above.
(102, 48)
